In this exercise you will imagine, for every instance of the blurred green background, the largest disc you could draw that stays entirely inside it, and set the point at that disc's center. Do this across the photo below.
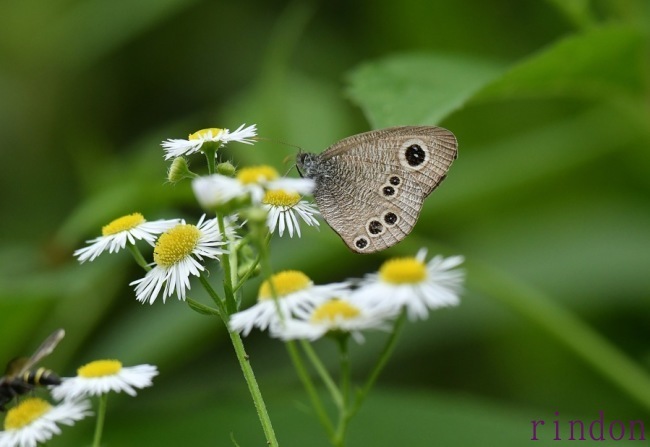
(549, 202)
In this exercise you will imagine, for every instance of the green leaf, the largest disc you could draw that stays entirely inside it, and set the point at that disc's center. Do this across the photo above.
(424, 89)
(418, 88)
(600, 63)
(201, 308)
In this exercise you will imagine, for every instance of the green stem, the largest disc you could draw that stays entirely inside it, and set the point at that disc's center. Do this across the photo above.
(253, 387)
(345, 368)
(101, 416)
(210, 151)
(337, 397)
(307, 383)
(303, 375)
(268, 272)
(228, 282)
(250, 271)
(233, 247)
(238, 345)
(213, 293)
(344, 410)
(386, 352)
(137, 255)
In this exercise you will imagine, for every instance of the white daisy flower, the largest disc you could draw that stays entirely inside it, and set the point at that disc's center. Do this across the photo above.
(101, 376)
(335, 315)
(216, 189)
(296, 297)
(176, 256)
(283, 208)
(410, 283)
(34, 421)
(302, 186)
(124, 229)
(179, 147)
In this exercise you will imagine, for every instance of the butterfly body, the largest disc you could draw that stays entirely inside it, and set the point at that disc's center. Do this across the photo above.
(370, 187)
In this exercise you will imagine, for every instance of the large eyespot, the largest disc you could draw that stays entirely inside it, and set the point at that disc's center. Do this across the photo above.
(375, 228)
(388, 191)
(390, 218)
(361, 243)
(414, 154)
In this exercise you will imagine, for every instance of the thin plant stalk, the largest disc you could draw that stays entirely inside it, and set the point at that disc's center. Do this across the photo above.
(101, 416)
(253, 387)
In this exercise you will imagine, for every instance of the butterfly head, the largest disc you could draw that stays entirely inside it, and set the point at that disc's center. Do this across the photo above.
(305, 163)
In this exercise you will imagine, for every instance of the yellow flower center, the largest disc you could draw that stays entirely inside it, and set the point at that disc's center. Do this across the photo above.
(123, 223)
(257, 174)
(281, 198)
(284, 283)
(176, 244)
(203, 133)
(100, 368)
(403, 271)
(26, 412)
(333, 309)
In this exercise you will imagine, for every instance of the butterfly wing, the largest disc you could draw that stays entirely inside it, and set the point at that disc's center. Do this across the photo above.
(370, 187)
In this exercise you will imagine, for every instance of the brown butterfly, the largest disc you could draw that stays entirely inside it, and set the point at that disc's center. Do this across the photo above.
(370, 187)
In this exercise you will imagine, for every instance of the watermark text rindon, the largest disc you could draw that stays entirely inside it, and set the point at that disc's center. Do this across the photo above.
(598, 429)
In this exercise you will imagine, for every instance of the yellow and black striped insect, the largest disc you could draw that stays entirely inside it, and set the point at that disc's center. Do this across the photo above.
(19, 377)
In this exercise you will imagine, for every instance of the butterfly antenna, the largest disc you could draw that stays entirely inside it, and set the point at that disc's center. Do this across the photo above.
(271, 140)
(288, 157)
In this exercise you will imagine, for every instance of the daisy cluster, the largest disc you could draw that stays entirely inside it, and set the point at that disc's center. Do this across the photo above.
(291, 306)
(181, 249)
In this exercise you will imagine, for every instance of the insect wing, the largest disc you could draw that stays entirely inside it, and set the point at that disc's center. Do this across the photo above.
(19, 366)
